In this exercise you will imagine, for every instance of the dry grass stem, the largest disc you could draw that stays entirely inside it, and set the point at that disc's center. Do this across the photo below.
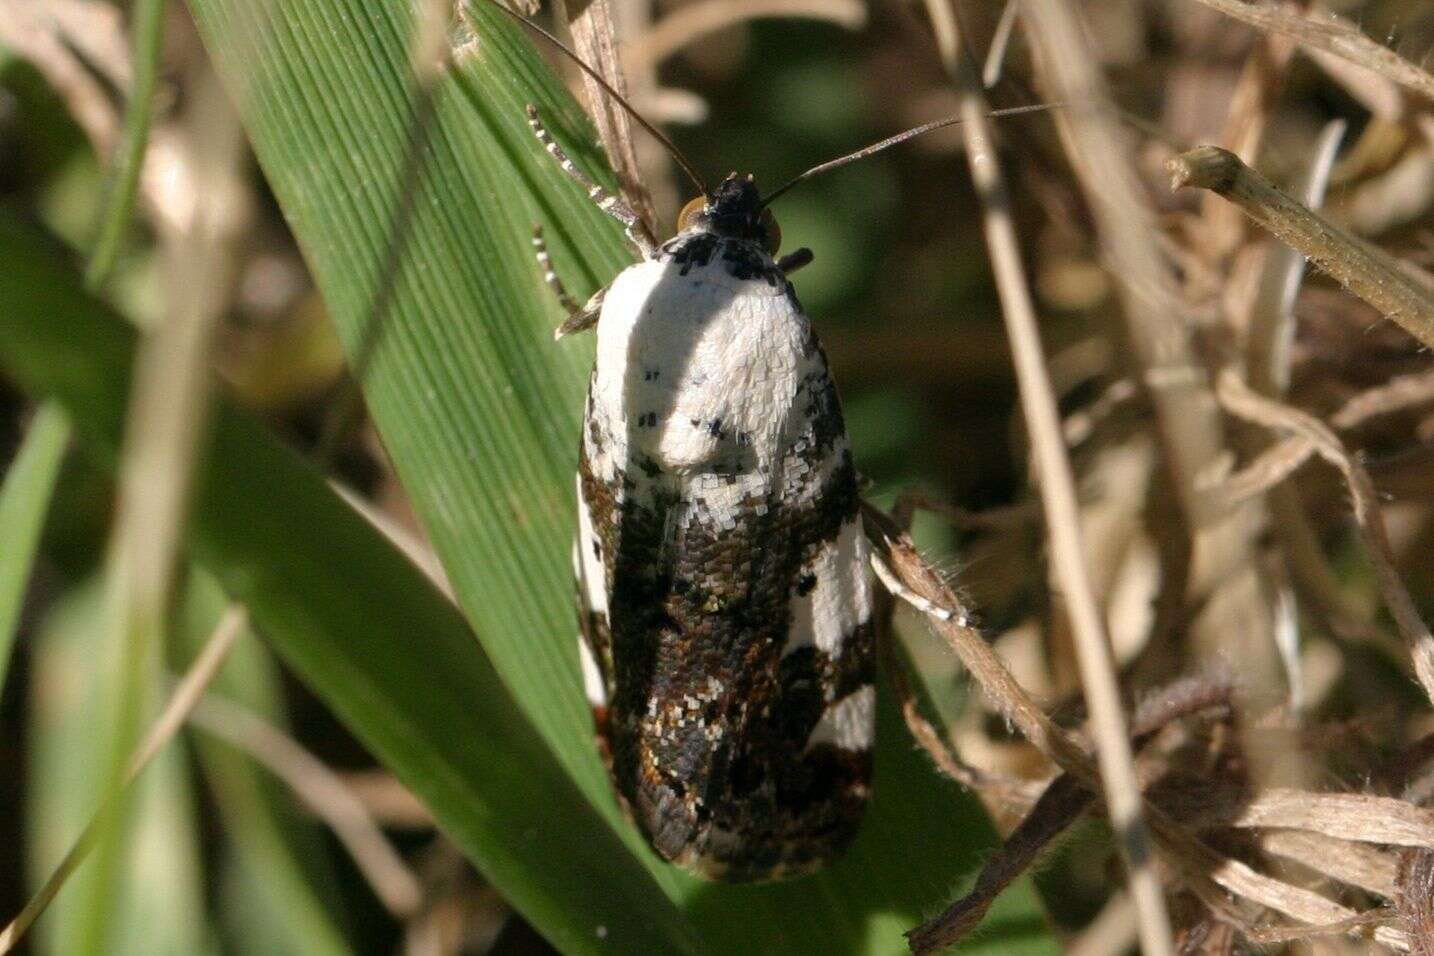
(922, 730)
(1343, 816)
(1121, 788)
(1000, 44)
(1358, 924)
(1323, 31)
(1059, 805)
(1414, 899)
(1272, 319)
(595, 41)
(1365, 270)
(1351, 863)
(414, 547)
(689, 23)
(1251, 106)
(323, 792)
(199, 206)
(1223, 577)
(187, 693)
(997, 519)
(1272, 466)
(1242, 402)
(1112, 930)
(387, 800)
(1079, 426)
(1398, 394)
(1206, 872)
(1001, 689)
(1198, 866)
(1346, 816)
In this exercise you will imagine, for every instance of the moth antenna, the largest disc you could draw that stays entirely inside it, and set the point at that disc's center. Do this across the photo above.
(902, 137)
(657, 134)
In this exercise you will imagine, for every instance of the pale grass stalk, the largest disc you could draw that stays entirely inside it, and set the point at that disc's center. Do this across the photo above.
(1353, 817)
(1000, 44)
(322, 791)
(1121, 788)
(1260, 82)
(187, 693)
(1272, 321)
(1112, 931)
(1398, 394)
(1271, 467)
(199, 204)
(1268, 344)
(1223, 573)
(414, 547)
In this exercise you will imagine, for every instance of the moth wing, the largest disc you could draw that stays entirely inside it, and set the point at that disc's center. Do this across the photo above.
(595, 635)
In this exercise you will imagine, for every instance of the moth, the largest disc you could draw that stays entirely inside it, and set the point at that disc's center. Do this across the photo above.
(727, 641)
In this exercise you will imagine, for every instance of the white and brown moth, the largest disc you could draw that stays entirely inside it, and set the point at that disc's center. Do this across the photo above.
(727, 641)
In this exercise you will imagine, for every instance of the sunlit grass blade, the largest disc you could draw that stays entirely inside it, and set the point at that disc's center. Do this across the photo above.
(361, 626)
(24, 500)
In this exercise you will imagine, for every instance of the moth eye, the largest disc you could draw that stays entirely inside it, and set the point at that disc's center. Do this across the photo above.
(774, 232)
(690, 212)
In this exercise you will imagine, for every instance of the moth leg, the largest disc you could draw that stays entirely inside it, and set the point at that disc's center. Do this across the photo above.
(929, 608)
(550, 275)
(905, 507)
(632, 223)
(580, 320)
(793, 261)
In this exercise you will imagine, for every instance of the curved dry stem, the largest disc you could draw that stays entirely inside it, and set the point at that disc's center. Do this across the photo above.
(1241, 401)
(323, 792)
(1365, 270)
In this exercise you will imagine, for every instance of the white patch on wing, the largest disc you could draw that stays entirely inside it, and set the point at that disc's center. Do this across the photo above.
(592, 677)
(841, 599)
(850, 723)
(696, 369)
(588, 566)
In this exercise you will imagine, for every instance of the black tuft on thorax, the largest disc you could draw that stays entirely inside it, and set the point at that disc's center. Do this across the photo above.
(734, 210)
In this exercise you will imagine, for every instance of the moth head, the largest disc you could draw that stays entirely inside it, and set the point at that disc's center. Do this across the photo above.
(734, 209)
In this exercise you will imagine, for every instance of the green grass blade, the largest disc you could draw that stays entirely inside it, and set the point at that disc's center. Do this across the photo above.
(364, 629)
(277, 854)
(415, 219)
(24, 500)
(156, 896)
